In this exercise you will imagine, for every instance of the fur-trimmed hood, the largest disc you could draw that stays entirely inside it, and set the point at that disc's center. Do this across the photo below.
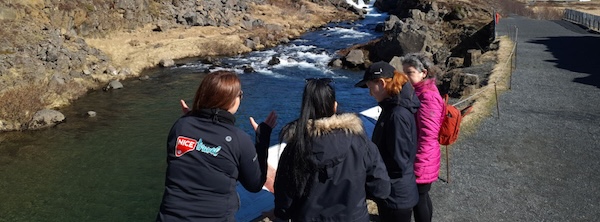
(344, 158)
(348, 122)
(333, 137)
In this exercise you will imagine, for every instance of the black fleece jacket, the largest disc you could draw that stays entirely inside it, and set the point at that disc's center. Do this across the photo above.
(395, 134)
(206, 156)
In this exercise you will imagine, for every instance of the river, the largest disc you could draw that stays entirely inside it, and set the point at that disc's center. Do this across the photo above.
(111, 167)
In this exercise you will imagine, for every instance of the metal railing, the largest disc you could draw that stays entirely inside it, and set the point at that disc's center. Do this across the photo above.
(590, 21)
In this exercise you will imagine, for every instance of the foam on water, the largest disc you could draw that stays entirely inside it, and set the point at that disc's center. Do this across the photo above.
(359, 4)
(309, 55)
(348, 33)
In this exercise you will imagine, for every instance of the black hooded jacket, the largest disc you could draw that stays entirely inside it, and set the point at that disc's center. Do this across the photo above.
(349, 169)
(395, 134)
(206, 156)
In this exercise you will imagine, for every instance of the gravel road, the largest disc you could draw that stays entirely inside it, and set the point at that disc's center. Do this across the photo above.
(540, 160)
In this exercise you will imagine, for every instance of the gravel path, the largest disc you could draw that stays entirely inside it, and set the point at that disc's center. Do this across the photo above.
(540, 161)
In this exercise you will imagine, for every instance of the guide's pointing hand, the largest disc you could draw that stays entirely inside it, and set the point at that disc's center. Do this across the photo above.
(184, 107)
(270, 121)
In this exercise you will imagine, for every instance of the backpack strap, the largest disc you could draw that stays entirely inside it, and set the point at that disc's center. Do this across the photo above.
(466, 110)
(445, 98)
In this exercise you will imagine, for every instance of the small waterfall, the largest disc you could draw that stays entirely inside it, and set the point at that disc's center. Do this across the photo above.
(360, 4)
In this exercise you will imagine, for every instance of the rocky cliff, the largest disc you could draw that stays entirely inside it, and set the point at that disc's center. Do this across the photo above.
(54, 51)
(458, 35)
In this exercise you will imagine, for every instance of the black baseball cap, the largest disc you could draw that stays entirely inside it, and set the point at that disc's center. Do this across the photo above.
(376, 70)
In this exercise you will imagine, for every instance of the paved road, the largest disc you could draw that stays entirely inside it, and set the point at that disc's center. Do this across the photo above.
(540, 161)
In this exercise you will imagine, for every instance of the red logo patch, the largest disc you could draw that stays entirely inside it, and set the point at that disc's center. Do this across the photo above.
(184, 145)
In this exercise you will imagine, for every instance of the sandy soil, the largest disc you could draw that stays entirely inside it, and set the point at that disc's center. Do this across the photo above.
(145, 48)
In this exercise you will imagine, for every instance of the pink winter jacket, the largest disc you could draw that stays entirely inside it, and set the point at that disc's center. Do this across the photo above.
(429, 120)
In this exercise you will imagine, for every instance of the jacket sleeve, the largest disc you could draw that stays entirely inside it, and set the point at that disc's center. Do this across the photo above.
(401, 140)
(253, 163)
(429, 119)
(283, 201)
(378, 182)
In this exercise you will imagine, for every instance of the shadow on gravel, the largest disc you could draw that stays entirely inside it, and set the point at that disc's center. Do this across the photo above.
(578, 54)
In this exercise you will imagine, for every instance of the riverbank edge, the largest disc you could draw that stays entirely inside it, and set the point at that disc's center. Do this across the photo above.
(145, 48)
(127, 53)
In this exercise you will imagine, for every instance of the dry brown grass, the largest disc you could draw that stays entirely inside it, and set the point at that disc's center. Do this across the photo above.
(59, 95)
(548, 13)
(507, 7)
(285, 4)
(484, 104)
(13, 33)
(18, 104)
(540, 10)
(136, 49)
(546, 9)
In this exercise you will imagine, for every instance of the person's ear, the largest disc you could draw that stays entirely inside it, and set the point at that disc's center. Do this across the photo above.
(382, 82)
(425, 72)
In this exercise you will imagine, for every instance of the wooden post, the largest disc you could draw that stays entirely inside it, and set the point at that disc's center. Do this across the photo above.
(497, 105)
(516, 48)
(447, 165)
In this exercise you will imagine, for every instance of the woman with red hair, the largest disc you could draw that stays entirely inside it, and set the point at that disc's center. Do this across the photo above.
(395, 135)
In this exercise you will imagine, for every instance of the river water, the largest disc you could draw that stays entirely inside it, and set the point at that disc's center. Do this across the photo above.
(111, 167)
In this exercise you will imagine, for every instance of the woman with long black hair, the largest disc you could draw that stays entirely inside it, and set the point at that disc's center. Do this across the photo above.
(329, 167)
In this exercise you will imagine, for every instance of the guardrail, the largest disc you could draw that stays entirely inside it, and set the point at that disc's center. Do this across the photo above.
(588, 20)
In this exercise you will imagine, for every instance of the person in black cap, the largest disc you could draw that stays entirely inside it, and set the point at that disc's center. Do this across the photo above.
(395, 135)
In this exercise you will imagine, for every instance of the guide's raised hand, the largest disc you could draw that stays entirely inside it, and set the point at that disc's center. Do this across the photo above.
(184, 107)
(271, 120)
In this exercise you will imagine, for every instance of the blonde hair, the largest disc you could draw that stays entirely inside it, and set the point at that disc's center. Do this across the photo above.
(393, 86)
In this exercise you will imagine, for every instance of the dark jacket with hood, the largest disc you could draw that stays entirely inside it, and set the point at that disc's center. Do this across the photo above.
(206, 156)
(395, 134)
(349, 169)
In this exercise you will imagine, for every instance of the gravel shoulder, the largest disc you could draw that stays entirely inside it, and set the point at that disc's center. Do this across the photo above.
(538, 160)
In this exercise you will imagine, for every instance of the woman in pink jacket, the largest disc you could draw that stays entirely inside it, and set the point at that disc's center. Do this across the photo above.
(429, 120)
